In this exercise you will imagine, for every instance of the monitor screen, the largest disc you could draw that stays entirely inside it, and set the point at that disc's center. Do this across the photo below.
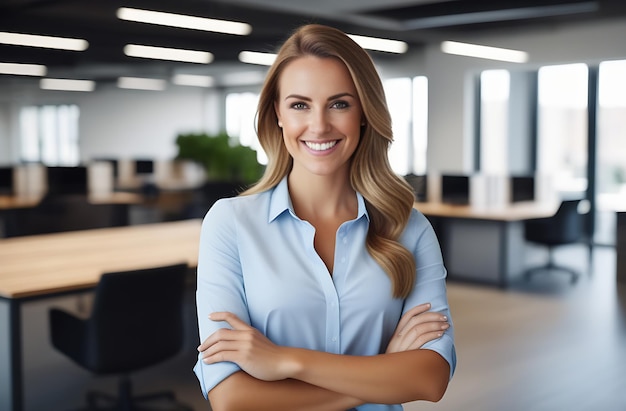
(418, 183)
(6, 180)
(522, 188)
(455, 189)
(144, 166)
(67, 180)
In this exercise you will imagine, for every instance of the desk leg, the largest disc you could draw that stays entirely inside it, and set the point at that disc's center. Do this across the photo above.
(11, 393)
(620, 247)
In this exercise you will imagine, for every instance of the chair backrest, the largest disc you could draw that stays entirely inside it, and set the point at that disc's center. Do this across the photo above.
(137, 318)
(570, 220)
(565, 227)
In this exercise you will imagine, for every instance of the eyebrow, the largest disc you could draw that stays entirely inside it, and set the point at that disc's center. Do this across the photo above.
(336, 96)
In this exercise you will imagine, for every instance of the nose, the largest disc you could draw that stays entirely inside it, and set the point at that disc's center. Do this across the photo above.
(319, 122)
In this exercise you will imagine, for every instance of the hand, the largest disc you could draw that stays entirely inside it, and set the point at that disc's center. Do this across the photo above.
(417, 327)
(248, 348)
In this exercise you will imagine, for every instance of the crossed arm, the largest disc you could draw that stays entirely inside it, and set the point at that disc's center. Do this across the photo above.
(284, 378)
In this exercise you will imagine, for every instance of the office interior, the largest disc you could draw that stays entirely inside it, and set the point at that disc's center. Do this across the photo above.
(539, 343)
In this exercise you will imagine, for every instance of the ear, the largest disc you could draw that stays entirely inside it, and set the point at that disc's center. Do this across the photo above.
(280, 123)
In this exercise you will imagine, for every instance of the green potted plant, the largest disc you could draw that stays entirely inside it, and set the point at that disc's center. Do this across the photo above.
(222, 159)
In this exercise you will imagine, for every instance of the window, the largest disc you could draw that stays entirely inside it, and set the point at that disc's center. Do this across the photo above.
(562, 127)
(611, 148)
(240, 121)
(407, 100)
(494, 120)
(49, 134)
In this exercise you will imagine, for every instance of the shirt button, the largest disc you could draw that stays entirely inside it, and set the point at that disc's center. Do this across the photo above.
(343, 259)
(334, 339)
(345, 240)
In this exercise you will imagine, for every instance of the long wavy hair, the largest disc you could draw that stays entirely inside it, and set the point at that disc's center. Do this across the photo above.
(388, 198)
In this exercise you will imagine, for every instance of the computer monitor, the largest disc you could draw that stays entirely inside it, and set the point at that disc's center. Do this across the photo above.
(6, 180)
(522, 188)
(418, 183)
(143, 167)
(455, 189)
(67, 180)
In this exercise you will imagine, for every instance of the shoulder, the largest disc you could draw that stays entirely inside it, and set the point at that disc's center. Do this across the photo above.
(235, 209)
(418, 228)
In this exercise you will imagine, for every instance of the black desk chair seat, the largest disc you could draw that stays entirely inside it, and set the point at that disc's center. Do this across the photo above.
(566, 226)
(136, 322)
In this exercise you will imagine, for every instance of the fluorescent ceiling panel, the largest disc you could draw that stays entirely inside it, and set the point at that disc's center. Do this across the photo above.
(139, 83)
(484, 52)
(49, 42)
(23, 69)
(183, 21)
(193, 80)
(66, 84)
(377, 44)
(164, 53)
(254, 57)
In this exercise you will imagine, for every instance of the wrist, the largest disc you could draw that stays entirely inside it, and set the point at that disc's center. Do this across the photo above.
(294, 363)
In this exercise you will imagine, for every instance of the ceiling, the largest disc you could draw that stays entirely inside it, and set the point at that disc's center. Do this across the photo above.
(417, 22)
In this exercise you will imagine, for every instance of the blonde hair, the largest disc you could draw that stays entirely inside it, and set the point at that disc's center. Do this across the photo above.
(388, 198)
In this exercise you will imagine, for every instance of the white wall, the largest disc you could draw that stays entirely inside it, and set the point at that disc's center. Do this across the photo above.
(118, 123)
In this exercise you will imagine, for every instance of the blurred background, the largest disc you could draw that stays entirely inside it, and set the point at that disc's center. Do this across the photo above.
(501, 111)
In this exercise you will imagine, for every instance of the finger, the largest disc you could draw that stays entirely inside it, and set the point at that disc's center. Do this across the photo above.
(227, 317)
(420, 334)
(423, 339)
(418, 309)
(222, 334)
(428, 317)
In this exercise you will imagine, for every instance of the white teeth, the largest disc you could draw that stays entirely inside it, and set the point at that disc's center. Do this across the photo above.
(321, 146)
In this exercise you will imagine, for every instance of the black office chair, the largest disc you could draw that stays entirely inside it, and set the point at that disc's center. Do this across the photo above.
(136, 322)
(566, 226)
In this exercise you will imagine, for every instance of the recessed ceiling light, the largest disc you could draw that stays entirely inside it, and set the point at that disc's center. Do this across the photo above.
(193, 80)
(484, 52)
(67, 84)
(23, 69)
(164, 53)
(377, 44)
(139, 83)
(183, 21)
(255, 57)
(49, 42)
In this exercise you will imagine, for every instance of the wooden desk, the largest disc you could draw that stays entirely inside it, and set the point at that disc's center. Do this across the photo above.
(482, 244)
(36, 267)
(10, 202)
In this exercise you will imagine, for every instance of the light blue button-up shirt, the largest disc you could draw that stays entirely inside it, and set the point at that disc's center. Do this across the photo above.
(257, 260)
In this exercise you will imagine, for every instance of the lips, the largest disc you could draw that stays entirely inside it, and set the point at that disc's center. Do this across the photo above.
(327, 145)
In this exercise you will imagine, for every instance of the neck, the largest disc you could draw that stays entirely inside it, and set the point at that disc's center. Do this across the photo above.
(321, 196)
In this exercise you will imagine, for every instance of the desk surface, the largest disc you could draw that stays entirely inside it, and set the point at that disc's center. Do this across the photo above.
(8, 202)
(42, 264)
(513, 212)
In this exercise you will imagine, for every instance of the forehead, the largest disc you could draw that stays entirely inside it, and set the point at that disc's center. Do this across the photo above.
(313, 75)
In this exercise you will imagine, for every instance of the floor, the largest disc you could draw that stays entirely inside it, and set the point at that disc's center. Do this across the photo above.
(543, 345)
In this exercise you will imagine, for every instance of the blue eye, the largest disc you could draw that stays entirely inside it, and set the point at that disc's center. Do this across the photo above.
(340, 104)
(298, 106)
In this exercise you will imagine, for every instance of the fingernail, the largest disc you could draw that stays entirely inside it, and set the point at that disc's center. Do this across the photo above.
(444, 318)
(445, 326)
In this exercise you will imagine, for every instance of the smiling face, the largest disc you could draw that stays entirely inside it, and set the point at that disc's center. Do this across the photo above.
(320, 114)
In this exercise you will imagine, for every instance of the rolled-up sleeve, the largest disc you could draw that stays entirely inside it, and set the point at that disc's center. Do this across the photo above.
(430, 284)
(219, 286)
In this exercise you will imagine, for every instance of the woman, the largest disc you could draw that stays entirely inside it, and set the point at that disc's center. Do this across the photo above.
(318, 285)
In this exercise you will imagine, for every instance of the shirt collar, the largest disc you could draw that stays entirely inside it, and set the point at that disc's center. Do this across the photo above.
(281, 202)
